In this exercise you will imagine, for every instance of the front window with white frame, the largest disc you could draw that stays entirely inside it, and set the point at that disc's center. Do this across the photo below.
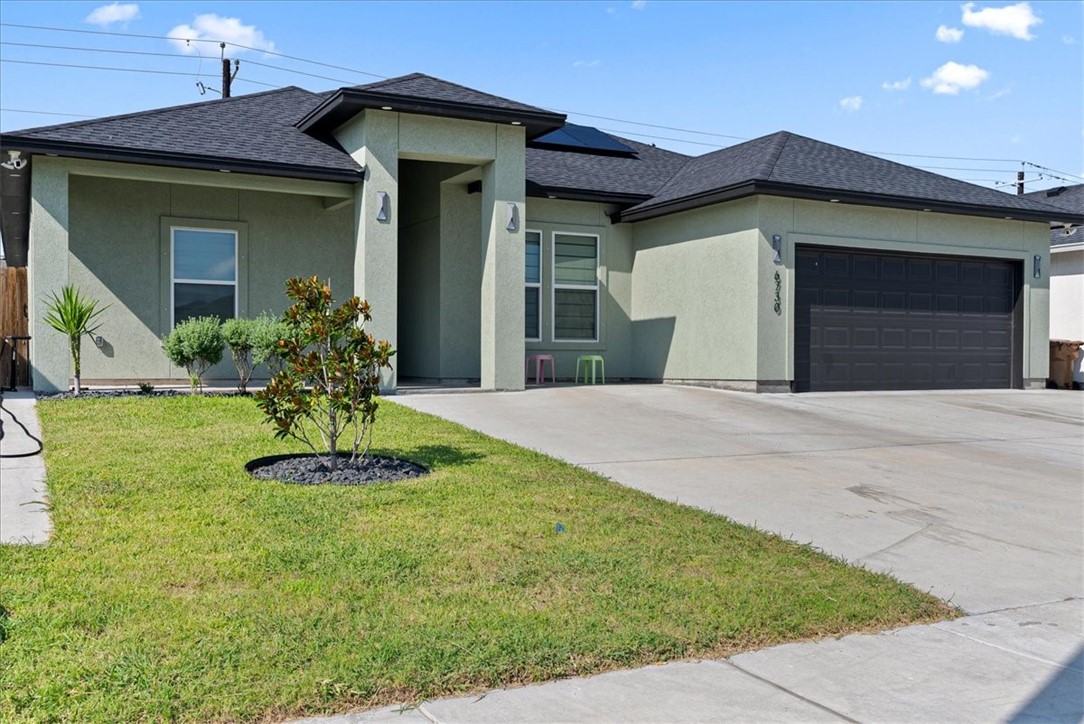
(575, 287)
(532, 282)
(204, 273)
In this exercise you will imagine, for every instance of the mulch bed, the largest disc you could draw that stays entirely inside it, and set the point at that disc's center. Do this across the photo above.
(309, 469)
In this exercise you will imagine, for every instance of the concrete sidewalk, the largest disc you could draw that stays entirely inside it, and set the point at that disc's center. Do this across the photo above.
(24, 512)
(976, 496)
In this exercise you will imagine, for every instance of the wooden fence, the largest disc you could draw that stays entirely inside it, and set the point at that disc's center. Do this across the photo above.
(13, 321)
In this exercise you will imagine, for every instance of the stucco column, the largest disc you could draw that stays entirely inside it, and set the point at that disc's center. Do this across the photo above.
(502, 344)
(50, 359)
(373, 139)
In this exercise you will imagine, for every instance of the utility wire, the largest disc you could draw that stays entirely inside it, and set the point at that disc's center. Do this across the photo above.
(44, 113)
(1053, 170)
(122, 70)
(193, 40)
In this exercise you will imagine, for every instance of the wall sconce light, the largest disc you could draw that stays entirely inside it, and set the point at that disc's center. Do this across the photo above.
(513, 217)
(1036, 266)
(777, 246)
(382, 210)
(99, 341)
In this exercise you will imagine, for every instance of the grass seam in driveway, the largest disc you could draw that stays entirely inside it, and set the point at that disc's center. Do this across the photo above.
(178, 588)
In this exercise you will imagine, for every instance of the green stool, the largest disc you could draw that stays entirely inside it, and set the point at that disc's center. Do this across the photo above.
(590, 359)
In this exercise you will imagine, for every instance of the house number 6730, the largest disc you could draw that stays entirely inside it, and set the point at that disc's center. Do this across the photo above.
(778, 294)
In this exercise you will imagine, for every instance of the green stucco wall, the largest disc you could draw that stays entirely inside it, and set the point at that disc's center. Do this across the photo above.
(115, 255)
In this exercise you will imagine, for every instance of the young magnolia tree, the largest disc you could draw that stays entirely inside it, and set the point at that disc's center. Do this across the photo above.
(330, 379)
(74, 316)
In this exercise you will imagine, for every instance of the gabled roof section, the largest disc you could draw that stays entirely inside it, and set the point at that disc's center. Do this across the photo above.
(787, 164)
(628, 179)
(426, 95)
(252, 133)
(1070, 198)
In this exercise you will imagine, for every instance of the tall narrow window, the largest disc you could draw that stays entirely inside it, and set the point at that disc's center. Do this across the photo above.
(575, 287)
(204, 266)
(532, 328)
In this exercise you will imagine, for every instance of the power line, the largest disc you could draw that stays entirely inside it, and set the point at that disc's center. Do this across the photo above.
(122, 70)
(43, 113)
(1053, 170)
(653, 125)
(192, 40)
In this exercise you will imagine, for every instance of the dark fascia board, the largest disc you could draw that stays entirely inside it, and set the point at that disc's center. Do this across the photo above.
(31, 146)
(771, 188)
(605, 197)
(348, 102)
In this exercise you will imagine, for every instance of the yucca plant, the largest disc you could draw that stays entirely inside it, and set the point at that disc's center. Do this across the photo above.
(74, 316)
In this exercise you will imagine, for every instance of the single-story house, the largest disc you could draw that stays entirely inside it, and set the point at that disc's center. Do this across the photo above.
(1066, 268)
(483, 229)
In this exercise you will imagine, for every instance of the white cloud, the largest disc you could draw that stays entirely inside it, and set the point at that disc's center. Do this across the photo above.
(897, 85)
(1007, 90)
(851, 103)
(953, 77)
(115, 13)
(949, 35)
(585, 63)
(1015, 20)
(215, 27)
(639, 4)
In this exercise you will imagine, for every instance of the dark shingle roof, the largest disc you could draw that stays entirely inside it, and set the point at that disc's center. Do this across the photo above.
(257, 128)
(421, 86)
(783, 162)
(1070, 198)
(640, 176)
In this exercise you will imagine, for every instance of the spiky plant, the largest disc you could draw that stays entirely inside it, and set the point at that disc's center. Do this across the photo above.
(74, 316)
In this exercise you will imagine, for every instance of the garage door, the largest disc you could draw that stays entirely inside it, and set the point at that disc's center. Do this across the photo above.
(881, 321)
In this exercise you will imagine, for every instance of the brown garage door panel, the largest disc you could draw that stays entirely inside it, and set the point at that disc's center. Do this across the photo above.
(882, 321)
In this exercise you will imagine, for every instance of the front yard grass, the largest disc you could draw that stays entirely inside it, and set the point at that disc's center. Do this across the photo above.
(177, 587)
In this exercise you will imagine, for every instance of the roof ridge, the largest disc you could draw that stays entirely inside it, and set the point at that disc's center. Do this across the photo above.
(776, 153)
(413, 76)
(395, 79)
(153, 111)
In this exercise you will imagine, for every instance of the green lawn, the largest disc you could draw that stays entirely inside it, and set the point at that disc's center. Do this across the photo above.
(176, 587)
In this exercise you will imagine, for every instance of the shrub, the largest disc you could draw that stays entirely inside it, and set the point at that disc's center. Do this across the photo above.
(239, 335)
(74, 316)
(195, 344)
(266, 334)
(332, 373)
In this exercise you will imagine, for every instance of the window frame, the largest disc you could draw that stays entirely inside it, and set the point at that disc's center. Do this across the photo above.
(173, 280)
(554, 286)
(541, 277)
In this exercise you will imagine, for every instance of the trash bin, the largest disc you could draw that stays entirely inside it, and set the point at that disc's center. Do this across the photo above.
(1063, 354)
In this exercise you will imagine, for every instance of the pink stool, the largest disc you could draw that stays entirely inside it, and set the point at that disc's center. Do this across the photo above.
(540, 368)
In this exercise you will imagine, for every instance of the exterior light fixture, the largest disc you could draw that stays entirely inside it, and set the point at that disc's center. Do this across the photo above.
(385, 108)
(834, 201)
(777, 246)
(1036, 266)
(99, 341)
(382, 210)
(516, 123)
(513, 217)
(15, 161)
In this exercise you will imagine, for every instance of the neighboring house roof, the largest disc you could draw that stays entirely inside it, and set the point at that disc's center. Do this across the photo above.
(1070, 198)
(252, 133)
(420, 93)
(787, 164)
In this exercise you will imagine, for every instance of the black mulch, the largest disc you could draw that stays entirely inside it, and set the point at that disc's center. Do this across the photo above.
(311, 470)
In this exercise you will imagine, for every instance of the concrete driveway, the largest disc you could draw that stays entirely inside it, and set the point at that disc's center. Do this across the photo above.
(975, 496)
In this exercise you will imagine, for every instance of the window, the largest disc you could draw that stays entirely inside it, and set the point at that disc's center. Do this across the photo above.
(204, 273)
(532, 328)
(575, 287)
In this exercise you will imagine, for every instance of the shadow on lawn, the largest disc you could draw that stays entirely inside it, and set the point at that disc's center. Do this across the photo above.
(434, 456)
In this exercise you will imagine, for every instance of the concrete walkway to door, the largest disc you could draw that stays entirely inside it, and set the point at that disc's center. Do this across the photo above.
(975, 496)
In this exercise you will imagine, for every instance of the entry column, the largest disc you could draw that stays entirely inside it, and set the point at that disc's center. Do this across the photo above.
(503, 214)
(50, 359)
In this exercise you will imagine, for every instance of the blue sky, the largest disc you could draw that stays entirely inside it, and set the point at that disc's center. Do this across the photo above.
(976, 80)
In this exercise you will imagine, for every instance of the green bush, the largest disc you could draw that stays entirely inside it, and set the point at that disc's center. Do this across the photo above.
(332, 373)
(240, 338)
(267, 332)
(195, 344)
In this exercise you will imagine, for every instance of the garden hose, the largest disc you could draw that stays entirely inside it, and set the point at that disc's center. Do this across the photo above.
(20, 424)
